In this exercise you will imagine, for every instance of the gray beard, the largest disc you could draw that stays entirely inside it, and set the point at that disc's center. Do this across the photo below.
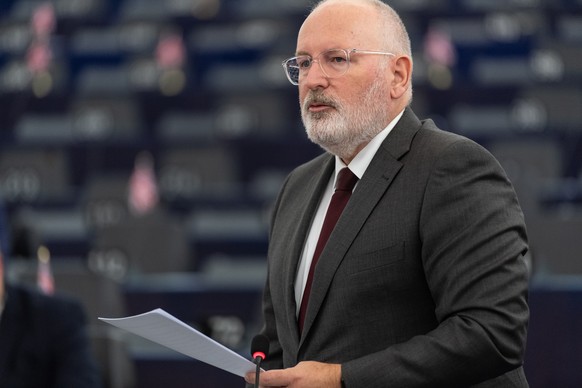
(342, 131)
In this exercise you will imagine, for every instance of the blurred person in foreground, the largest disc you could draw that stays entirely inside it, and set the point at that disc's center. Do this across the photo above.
(43, 340)
(423, 281)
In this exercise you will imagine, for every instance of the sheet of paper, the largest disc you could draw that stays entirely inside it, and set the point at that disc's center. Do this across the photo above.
(163, 328)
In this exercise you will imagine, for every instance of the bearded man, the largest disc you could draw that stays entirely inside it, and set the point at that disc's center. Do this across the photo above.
(410, 274)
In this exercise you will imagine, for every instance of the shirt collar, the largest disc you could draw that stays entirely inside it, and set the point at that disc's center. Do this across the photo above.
(360, 163)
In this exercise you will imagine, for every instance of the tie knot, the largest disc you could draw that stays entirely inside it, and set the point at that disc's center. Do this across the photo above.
(346, 180)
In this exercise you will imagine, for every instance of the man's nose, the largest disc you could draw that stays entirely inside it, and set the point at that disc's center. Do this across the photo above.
(315, 77)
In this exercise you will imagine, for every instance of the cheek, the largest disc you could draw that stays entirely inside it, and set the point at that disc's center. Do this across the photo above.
(302, 95)
(349, 98)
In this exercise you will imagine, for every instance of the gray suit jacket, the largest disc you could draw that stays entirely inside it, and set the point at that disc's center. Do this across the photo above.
(422, 282)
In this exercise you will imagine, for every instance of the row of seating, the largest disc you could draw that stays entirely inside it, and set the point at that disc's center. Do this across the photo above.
(102, 10)
(198, 84)
(226, 309)
(221, 306)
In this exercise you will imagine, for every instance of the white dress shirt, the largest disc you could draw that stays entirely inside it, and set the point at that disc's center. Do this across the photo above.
(358, 166)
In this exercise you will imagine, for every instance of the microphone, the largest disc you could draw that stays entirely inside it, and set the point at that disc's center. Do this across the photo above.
(259, 351)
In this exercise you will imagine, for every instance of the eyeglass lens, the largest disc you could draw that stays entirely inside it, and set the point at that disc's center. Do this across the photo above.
(334, 63)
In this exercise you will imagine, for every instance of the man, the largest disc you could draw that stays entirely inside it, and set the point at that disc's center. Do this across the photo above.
(422, 282)
(43, 342)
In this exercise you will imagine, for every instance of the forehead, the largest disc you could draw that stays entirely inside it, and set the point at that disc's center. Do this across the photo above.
(339, 24)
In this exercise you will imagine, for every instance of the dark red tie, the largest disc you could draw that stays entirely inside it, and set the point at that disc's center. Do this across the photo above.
(345, 184)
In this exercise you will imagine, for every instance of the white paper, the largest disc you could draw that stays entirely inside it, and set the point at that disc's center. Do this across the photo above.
(163, 328)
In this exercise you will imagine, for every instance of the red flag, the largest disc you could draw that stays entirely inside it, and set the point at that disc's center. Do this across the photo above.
(439, 48)
(38, 57)
(143, 189)
(43, 20)
(170, 52)
(44, 274)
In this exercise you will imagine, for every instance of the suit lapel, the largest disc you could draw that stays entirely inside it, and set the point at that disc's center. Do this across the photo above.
(310, 197)
(380, 173)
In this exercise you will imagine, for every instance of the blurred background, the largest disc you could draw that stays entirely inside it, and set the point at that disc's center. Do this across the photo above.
(142, 143)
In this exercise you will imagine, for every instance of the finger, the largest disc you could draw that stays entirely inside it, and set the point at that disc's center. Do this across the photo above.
(275, 378)
(250, 377)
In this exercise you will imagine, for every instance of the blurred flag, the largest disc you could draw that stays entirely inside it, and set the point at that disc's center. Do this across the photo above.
(143, 189)
(39, 57)
(43, 20)
(440, 56)
(44, 274)
(170, 57)
(438, 48)
(170, 52)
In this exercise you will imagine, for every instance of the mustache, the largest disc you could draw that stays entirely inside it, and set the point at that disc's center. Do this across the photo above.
(319, 98)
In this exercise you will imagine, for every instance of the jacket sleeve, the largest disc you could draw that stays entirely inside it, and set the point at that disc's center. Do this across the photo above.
(473, 242)
(275, 358)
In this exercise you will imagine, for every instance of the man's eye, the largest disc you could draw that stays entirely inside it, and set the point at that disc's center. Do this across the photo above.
(304, 63)
(337, 60)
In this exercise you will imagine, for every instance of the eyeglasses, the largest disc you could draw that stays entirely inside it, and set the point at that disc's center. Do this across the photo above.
(334, 63)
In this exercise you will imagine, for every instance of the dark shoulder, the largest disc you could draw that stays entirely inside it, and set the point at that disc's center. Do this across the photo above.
(50, 307)
(433, 140)
(430, 131)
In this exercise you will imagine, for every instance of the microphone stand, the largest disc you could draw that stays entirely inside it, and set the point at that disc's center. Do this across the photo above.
(259, 351)
(257, 372)
(258, 360)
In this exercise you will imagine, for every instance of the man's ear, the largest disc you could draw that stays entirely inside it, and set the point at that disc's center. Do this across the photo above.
(402, 71)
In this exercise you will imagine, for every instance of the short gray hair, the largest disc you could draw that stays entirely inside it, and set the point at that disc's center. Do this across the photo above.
(396, 36)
